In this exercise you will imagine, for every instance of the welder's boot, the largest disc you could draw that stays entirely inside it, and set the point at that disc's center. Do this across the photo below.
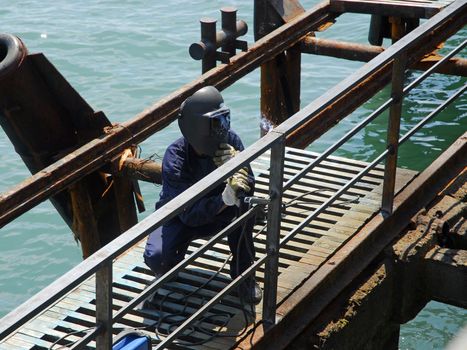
(250, 292)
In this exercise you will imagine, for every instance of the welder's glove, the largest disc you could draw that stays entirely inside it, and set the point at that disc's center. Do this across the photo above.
(236, 184)
(224, 153)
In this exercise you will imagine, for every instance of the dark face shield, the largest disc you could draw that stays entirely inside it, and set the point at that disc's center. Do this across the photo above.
(219, 122)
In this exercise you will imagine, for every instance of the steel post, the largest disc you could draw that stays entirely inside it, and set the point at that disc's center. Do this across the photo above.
(104, 306)
(398, 74)
(229, 26)
(273, 232)
(208, 37)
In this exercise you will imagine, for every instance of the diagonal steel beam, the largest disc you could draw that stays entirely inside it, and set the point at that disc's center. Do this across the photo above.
(96, 153)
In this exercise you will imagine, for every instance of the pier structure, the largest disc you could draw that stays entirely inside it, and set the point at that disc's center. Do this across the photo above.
(338, 235)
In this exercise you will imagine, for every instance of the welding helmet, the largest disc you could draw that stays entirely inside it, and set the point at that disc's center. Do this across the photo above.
(204, 120)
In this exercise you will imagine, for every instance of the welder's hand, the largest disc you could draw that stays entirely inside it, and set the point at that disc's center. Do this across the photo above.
(236, 184)
(224, 153)
(239, 181)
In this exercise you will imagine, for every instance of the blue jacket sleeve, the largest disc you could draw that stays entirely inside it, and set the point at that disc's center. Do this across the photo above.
(202, 212)
(176, 179)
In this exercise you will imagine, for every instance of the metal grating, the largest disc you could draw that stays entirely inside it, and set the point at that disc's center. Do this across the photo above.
(302, 255)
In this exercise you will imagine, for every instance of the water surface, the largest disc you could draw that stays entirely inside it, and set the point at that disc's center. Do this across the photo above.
(122, 56)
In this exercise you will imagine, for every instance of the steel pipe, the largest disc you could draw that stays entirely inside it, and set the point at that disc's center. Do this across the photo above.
(226, 38)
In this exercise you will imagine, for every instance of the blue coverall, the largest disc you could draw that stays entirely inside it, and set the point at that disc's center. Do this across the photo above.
(167, 245)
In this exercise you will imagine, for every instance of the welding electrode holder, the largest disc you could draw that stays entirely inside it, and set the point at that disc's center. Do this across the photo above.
(261, 216)
(226, 39)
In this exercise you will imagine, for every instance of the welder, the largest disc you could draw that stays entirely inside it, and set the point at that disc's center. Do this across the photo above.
(207, 143)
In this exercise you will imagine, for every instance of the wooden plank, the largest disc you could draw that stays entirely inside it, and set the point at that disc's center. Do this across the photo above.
(31, 341)
(14, 344)
(38, 330)
(286, 257)
(337, 210)
(332, 167)
(317, 187)
(147, 317)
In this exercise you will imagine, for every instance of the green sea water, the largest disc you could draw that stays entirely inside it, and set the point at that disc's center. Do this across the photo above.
(122, 56)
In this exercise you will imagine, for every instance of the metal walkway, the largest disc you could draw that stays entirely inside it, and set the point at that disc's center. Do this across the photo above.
(74, 314)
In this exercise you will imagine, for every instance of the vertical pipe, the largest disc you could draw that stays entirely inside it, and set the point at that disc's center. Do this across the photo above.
(208, 36)
(273, 233)
(397, 28)
(229, 26)
(398, 74)
(293, 78)
(104, 306)
(280, 77)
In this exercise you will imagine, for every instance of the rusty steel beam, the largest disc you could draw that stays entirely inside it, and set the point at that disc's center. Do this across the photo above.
(396, 8)
(338, 110)
(446, 275)
(455, 66)
(95, 153)
(365, 53)
(45, 118)
(352, 258)
(340, 49)
(280, 77)
(370, 79)
(143, 170)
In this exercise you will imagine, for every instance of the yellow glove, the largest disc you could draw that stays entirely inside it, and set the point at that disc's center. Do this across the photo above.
(224, 153)
(237, 182)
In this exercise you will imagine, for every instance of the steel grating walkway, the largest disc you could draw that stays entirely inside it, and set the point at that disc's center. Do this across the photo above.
(74, 314)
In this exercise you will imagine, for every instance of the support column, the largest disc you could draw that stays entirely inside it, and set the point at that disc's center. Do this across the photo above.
(273, 234)
(398, 74)
(104, 306)
(280, 77)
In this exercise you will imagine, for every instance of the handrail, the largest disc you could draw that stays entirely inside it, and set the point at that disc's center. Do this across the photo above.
(369, 167)
(371, 117)
(112, 250)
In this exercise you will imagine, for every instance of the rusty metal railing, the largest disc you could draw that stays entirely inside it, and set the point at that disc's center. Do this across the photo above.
(101, 262)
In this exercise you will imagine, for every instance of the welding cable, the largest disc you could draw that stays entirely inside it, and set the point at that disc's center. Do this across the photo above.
(66, 336)
(198, 327)
(185, 300)
(295, 200)
(246, 313)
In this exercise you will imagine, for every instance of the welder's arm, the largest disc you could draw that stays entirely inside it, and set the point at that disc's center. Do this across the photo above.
(236, 185)
(203, 211)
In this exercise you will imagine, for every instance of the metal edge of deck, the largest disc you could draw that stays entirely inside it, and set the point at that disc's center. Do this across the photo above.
(351, 259)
